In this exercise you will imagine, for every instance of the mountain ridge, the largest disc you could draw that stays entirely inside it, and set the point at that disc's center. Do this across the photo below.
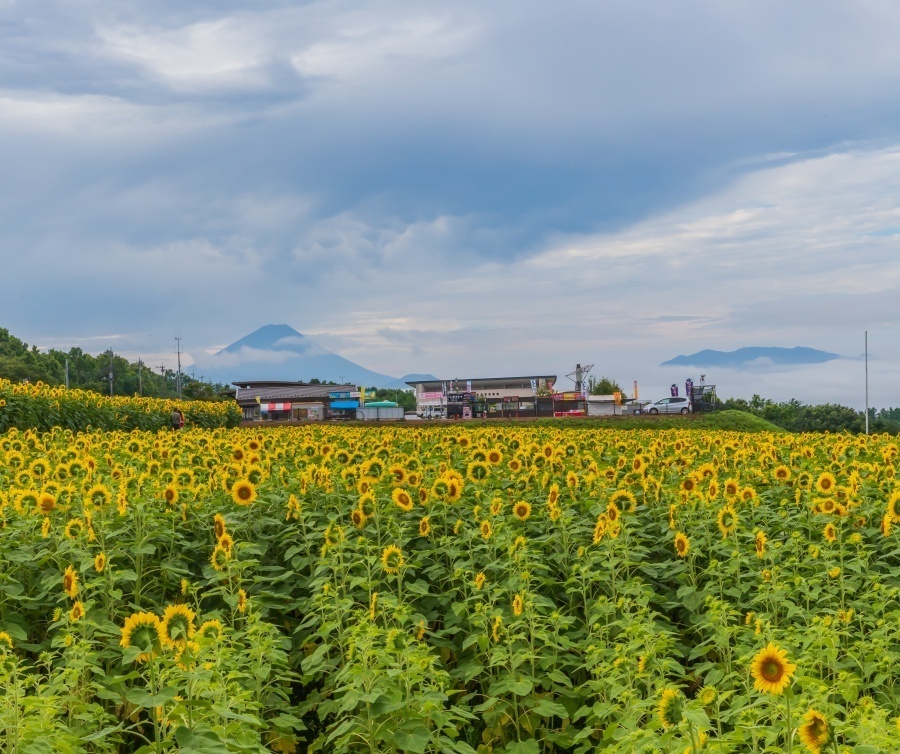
(748, 355)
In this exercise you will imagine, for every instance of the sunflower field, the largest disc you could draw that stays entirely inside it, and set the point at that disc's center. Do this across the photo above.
(448, 589)
(44, 407)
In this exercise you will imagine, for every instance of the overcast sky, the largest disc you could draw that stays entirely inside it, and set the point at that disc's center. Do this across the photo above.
(460, 188)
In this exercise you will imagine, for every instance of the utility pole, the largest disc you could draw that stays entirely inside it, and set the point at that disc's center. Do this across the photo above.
(110, 373)
(178, 375)
(867, 381)
(162, 382)
(140, 377)
(67, 373)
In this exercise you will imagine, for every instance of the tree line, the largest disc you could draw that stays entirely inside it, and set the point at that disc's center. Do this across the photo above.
(21, 362)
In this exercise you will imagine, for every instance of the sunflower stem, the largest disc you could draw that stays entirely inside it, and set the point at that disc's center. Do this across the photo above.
(790, 733)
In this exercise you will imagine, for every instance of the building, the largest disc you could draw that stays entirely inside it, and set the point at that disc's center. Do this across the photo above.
(485, 397)
(295, 401)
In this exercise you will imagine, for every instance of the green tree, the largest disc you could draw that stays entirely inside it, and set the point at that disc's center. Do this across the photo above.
(603, 386)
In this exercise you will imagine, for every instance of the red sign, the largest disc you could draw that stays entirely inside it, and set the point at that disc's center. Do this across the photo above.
(568, 397)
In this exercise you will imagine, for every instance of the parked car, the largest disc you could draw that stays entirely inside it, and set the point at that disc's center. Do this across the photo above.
(668, 406)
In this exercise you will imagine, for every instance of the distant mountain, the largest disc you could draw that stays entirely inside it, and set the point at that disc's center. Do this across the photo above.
(279, 352)
(753, 356)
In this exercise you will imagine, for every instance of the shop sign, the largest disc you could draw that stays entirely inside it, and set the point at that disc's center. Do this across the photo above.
(572, 396)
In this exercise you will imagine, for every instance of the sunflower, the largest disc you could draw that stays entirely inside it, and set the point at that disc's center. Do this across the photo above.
(494, 456)
(814, 732)
(392, 559)
(522, 510)
(77, 611)
(398, 473)
(46, 503)
(612, 511)
(98, 495)
(424, 527)
(682, 545)
(553, 494)
(727, 520)
(782, 474)
(731, 488)
(170, 494)
(893, 507)
(670, 709)
(210, 631)
(74, 528)
(402, 499)
(70, 582)
(825, 483)
(358, 518)
(886, 525)
(6, 642)
(688, 484)
(571, 480)
(219, 526)
(771, 670)
(495, 628)
(220, 557)
(226, 542)
(830, 533)
(454, 489)
(761, 540)
(142, 630)
(100, 562)
(45, 527)
(600, 528)
(517, 605)
(479, 580)
(243, 492)
(177, 625)
(624, 499)
(242, 601)
(477, 471)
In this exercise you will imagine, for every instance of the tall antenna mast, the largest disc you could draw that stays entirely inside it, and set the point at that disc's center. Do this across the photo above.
(867, 380)
(579, 375)
(178, 376)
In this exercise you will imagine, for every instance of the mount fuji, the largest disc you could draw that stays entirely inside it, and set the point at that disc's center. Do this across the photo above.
(279, 352)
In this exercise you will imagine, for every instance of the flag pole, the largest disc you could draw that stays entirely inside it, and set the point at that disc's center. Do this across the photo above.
(867, 380)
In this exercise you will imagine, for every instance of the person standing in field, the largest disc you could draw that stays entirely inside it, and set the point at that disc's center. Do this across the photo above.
(177, 419)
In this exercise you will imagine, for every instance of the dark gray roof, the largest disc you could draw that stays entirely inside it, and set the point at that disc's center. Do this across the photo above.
(463, 380)
(281, 392)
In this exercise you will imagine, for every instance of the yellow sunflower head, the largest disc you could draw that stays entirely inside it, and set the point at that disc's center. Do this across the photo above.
(771, 670)
(177, 625)
(392, 559)
(70, 582)
(77, 611)
(682, 545)
(144, 632)
(243, 492)
(522, 510)
(826, 483)
(671, 708)
(814, 732)
(402, 499)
